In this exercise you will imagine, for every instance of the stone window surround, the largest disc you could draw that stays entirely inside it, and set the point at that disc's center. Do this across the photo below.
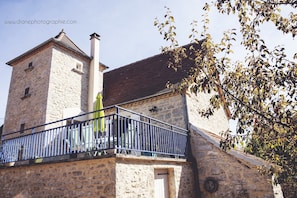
(22, 127)
(30, 67)
(27, 93)
(78, 68)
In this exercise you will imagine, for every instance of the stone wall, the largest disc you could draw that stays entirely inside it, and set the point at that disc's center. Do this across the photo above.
(216, 123)
(86, 178)
(29, 110)
(135, 177)
(68, 86)
(236, 177)
(55, 85)
(170, 108)
(180, 110)
(119, 176)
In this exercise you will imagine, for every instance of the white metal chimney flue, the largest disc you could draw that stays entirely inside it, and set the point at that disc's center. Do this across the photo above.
(94, 73)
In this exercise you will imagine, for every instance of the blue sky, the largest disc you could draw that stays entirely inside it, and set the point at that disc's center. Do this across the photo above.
(126, 29)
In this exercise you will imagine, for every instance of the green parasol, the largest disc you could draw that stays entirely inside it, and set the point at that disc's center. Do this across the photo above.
(99, 115)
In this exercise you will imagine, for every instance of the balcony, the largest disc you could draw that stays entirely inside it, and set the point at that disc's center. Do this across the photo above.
(118, 131)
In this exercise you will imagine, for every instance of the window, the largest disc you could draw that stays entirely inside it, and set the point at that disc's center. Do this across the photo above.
(30, 67)
(22, 128)
(26, 93)
(78, 68)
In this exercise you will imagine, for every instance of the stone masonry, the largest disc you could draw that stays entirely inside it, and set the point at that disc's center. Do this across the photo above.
(170, 108)
(119, 176)
(68, 87)
(29, 110)
(135, 177)
(236, 178)
(54, 85)
(87, 178)
(180, 110)
(216, 123)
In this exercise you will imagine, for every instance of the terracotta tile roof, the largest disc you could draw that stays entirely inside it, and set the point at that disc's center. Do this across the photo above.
(140, 79)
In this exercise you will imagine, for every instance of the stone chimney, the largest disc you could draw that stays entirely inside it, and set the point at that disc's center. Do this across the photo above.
(95, 76)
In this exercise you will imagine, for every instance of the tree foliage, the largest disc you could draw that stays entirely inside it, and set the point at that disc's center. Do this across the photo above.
(260, 91)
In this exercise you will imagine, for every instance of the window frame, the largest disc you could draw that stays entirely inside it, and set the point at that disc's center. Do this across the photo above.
(30, 67)
(79, 66)
(22, 128)
(26, 93)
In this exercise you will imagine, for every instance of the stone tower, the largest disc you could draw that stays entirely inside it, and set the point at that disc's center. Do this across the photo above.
(51, 82)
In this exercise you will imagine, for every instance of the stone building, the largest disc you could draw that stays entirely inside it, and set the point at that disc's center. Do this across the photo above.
(57, 80)
(50, 82)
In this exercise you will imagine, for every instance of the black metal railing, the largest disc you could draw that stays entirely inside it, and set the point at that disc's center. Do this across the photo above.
(122, 130)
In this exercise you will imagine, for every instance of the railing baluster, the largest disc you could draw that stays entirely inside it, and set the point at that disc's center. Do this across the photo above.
(56, 136)
(50, 143)
(46, 145)
(42, 142)
(118, 130)
(24, 149)
(20, 150)
(14, 147)
(69, 138)
(37, 145)
(9, 150)
(83, 137)
(60, 141)
(112, 132)
(63, 140)
(28, 147)
(44, 149)
(54, 140)
(35, 142)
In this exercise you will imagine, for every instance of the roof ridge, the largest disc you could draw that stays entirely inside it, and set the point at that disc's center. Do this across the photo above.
(151, 57)
(135, 62)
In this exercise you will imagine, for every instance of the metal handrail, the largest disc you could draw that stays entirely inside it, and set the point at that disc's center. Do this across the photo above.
(54, 122)
(123, 133)
(150, 118)
(118, 108)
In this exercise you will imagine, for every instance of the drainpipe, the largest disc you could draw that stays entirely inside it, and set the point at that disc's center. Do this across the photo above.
(94, 74)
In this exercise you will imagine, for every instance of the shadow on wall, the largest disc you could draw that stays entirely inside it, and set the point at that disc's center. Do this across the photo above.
(227, 174)
(187, 184)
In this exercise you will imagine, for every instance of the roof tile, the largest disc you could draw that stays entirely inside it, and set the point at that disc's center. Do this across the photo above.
(141, 79)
